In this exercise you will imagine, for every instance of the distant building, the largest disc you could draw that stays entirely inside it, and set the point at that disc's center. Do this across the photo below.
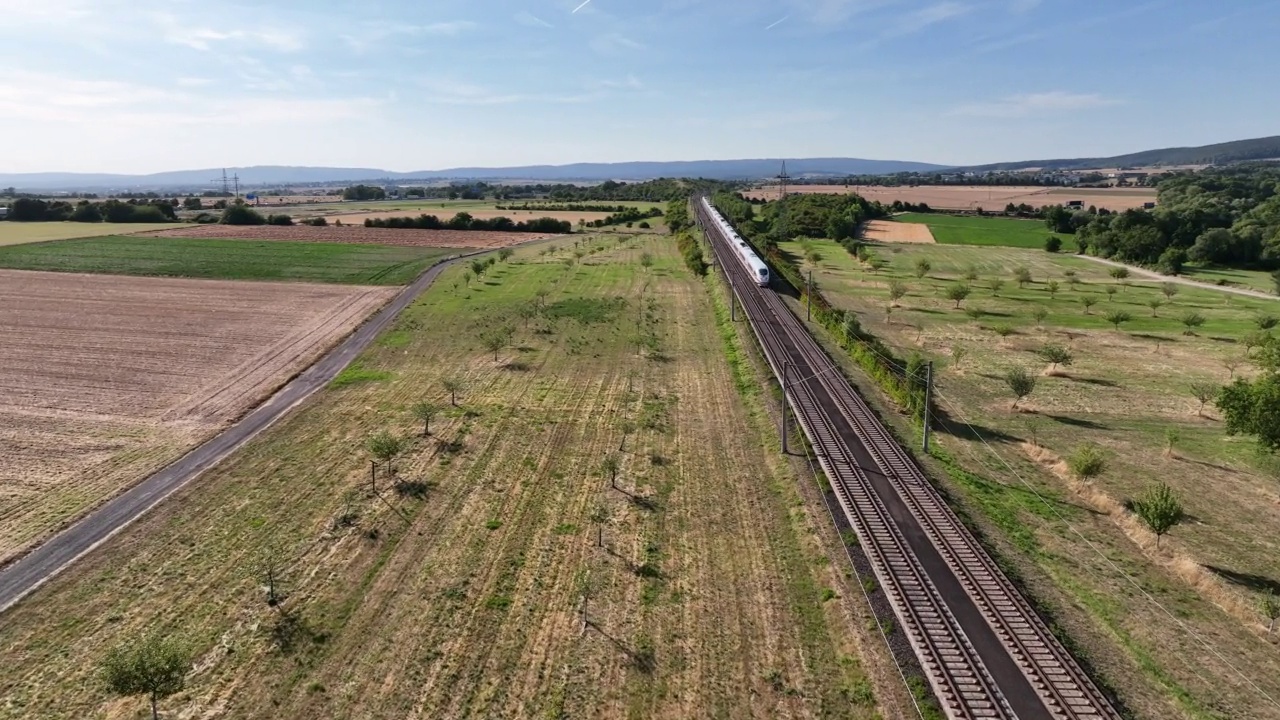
(1077, 204)
(4, 213)
(1148, 205)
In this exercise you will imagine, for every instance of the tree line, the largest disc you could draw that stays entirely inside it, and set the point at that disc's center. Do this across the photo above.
(1222, 216)
(112, 211)
(464, 221)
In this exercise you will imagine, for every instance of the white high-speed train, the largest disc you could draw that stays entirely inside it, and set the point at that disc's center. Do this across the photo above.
(741, 249)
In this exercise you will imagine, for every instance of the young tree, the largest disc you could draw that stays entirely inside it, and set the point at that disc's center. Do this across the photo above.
(875, 263)
(1072, 278)
(646, 260)
(1154, 304)
(1159, 509)
(1110, 290)
(1119, 273)
(1171, 438)
(453, 386)
(384, 447)
(505, 254)
(1270, 608)
(1169, 289)
(1021, 384)
(495, 339)
(1040, 314)
(1118, 317)
(1265, 322)
(1052, 287)
(957, 355)
(1191, 321)
(958, 293)
(478, 267)
(1203, 392)
(971, 273)
(1087, 462)
(152, 666)
(996, 284)
(922, 268)
(1055, 355)
(1253, 339)
(974, 313)
(609, 467)
(466, 277)
(424, 411)
(1088, 301)
(1022, 276)
(897, 289)
(1230, 363)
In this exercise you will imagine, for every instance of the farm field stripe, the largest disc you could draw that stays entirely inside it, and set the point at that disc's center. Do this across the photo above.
(37, 567)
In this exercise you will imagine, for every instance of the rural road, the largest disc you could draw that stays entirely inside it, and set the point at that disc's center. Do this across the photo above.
(32, 570)
(1141, 272)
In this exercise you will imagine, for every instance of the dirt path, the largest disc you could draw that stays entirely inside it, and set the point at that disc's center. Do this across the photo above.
(44, 562)
(1142, 272)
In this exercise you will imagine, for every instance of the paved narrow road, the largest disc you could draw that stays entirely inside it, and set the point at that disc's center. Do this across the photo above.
(37, 567)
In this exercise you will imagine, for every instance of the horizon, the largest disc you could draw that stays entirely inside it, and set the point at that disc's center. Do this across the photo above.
(144, 88)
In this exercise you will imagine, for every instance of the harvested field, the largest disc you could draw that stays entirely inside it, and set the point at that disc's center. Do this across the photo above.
(897, 232)
(992, 198)
(106, 379)
(516, 215)
(355, 235)
(20, 233)
(460, 594)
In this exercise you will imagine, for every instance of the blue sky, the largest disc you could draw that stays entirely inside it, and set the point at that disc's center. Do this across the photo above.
(142, 86)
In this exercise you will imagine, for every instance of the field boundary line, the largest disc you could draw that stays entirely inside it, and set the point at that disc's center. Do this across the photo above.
(26, 573)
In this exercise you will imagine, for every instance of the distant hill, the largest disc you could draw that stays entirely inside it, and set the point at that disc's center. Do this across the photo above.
(1235, 151)
(282, 175)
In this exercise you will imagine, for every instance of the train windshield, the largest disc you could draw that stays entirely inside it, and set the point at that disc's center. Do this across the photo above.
(764, 274)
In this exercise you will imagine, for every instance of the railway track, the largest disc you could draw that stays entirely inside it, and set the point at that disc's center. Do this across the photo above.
(983, 649)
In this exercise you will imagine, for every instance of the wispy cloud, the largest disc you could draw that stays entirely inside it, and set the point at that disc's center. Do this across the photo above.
(1034, 104)
(777, 22)
(528, 19)
(445, 91)
(914, 22)
(370, 35)
(614, 44)
(832, 13)
(584, 4)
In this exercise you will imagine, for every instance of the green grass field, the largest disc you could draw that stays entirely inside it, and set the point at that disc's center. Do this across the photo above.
(226, 259)
(1131, 390)
(18, 233)
(997, 231)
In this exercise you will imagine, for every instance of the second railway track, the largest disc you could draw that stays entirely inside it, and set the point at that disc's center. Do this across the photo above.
(984, 650)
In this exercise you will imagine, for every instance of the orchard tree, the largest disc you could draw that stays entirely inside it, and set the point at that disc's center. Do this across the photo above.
(1088, 301)
(958, 293)
(1052, 287)
(1203, 392)
(1118, 317)
(609, 467)
(1022, 276)
(1169, 289)
(384, 447)
(453, 386)
(424, 411)
(897, 289)
(1021, 384)
(1055, 355)
(495, 339)
(1119, 273)
(1191, 321)
(1154, 304)
(153, 666)
(1087, 462)
(1159, 509)
(922, 268)
(1040, 314)
(996, 284)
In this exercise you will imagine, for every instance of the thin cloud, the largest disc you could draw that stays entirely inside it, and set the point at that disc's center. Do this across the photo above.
(925, 17)
(528, 19)
(1034, 104)
(615, 44)
(776, 23)
(584, 4)
(373, 34)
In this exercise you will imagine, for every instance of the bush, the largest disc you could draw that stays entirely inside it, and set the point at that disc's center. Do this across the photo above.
(316, 222)
(279, 220)
(87, 213)
(242, 215)
(1087, 462)
(1052, 244)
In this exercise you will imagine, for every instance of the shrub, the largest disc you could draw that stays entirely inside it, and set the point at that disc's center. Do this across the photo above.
(279, 220)
(1021, 384)
(1087, 462)
(242, 215)
(1052, 244)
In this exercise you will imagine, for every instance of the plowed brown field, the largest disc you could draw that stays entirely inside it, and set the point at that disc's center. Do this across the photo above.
(104, 379)
(356, 235)
(965, 197)
(896, 232)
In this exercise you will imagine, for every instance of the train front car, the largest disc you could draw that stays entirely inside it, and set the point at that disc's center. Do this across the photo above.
(760, 272)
